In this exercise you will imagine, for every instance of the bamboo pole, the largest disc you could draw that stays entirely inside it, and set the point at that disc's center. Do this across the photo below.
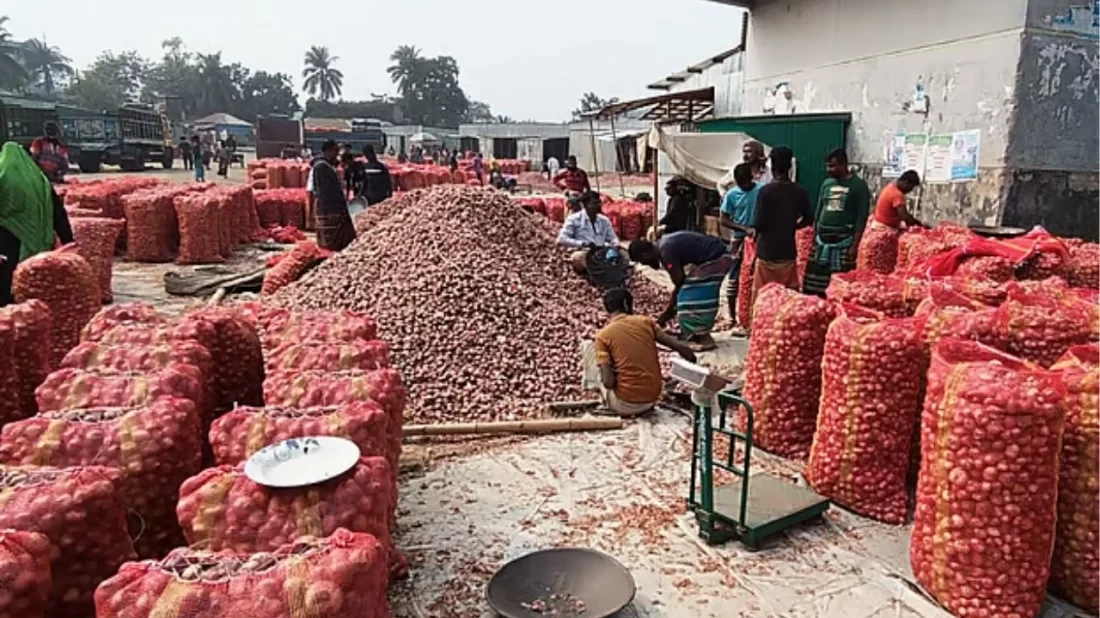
(595, 153)
(216, 299)
(535, 426)
(615, 143)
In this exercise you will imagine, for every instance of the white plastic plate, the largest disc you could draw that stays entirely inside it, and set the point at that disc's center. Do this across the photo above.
(300, 462)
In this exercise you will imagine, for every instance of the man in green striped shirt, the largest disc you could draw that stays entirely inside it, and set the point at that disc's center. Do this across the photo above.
(842, 210)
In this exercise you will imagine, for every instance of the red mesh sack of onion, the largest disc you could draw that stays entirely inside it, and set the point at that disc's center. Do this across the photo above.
(155, 447)
(870, 403)
(65, 282)
(278, 326)
(200, 217)
(340, 576)
(240, 433)
(355, 355)
(95, 240)
(744, 281)
(80, 511)
(119, 315)
(1075, 566)
(293, 265)
(152, 229)
(1040, 333)
(983, 530)
(30, 360)
(10, 408)
(783, 368)
(307, 389)
(74, 389)
(222, 509)
(237, 354)
(878, 249)
(24, 574)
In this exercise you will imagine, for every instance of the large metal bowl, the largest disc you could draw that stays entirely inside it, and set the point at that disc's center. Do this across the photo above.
(997, 231)
(574, 582)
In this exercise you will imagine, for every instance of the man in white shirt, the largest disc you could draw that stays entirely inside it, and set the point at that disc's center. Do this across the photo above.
(585, 229)
(553, 167)
(752, 152)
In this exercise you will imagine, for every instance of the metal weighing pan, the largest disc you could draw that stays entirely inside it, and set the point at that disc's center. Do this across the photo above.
(565, 583)
(997, 231)
(357, 205)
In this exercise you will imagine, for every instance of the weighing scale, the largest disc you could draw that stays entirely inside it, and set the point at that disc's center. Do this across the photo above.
(733, 511)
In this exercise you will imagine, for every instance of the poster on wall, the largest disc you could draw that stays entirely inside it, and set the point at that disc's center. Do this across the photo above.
(914, 151)
(938, 158)
(964, 155)
(893, 155)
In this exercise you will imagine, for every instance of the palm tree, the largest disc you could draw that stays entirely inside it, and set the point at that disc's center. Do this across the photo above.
(320, 74)
(12, 72)
(43, 62)
(216, 87)
(406, 67)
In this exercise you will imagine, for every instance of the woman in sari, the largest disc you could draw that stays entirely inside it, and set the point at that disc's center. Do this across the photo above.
(31, 214)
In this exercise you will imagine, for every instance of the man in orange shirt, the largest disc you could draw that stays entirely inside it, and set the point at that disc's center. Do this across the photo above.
(626, 354)
(890, 207)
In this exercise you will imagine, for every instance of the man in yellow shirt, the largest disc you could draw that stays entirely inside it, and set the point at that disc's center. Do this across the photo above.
(626, 354)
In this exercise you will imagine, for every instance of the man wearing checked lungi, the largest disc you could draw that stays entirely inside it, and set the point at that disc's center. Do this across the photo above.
(697, 264)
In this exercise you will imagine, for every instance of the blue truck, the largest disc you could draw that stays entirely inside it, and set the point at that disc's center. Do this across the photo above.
(22, 120)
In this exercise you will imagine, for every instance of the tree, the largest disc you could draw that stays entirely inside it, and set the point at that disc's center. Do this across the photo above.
(407, 68)
(176, 76)
(380, 107)
(217, 84)
(267, 93)
(591, 102)
(110, 81)
(45, 63)
(319, 74)
(430, 94)
(479, 112)
(12, 73)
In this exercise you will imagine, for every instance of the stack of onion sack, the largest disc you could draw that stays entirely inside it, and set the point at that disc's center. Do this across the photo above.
(237, 354)
(155, 447)
(222, 509)
(917, 245)
(892, 295)
(118, 315)
(878, 249)
(992, 267)
(983, 529)
(870, 403)
(66, 284)
(783, 368)
(307, 389)
(1083, 268)
(304, 256)
(981, 289)
(1075, 567)
(201, 218)
(95, 240)
(1056, 294)
(243, 220)
(31, 352)
(1028, 327)
(240, 433)
(341, 576)
(24, 574)
(281, 207)
(80, 511)
(804, 244)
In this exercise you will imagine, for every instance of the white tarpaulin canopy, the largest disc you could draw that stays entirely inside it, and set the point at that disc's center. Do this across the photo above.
(702, 158)
(423, 138)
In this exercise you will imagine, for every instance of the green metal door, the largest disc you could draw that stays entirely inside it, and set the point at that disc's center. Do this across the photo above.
(810, 136)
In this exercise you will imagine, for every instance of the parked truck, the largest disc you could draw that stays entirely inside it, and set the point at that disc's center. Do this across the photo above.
(23, 120)
(130, 138)
(359, 133)
(274, 133)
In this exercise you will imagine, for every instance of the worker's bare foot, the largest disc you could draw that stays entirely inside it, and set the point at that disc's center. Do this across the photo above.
(702, 343)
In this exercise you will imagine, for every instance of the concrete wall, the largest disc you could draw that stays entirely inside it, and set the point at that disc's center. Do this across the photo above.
(1022, 71)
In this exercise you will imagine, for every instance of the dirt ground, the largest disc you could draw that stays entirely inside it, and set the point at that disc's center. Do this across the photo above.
(467, 508)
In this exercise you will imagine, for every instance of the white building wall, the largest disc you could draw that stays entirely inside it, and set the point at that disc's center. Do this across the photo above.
(725, 78)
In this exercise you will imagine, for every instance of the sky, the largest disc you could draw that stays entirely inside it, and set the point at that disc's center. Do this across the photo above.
(526, 59)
